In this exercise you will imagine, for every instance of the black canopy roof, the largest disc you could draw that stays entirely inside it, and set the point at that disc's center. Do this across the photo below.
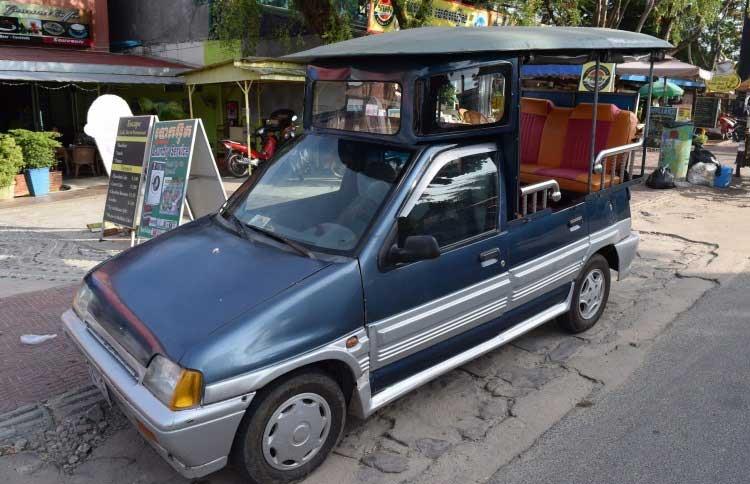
(466, 40)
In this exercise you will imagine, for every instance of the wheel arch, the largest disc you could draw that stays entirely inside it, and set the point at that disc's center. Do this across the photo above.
(609, 252)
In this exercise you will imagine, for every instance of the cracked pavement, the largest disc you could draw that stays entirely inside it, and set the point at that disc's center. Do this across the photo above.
(470, 423)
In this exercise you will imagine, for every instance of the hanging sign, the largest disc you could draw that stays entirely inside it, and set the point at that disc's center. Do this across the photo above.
(724, 79)
(46, 24)
(181, 173)
(121, 206)
(445, 13)
(606, 77)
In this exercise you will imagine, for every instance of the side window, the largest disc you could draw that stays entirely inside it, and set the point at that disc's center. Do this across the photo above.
(469, 97)
(460, 202)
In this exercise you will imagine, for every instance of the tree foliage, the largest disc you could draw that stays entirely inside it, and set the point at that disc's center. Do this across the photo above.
(703, 31)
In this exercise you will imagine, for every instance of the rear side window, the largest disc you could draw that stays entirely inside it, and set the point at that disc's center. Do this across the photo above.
(459, 203)
(466, 98)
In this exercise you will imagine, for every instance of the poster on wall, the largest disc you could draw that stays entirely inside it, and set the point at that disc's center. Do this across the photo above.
(121, 206)
(44, 24)
(445, 13)
(181, 173)
(606, 77)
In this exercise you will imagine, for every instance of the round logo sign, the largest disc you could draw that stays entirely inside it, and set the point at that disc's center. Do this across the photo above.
(383, 12)
(589, 77)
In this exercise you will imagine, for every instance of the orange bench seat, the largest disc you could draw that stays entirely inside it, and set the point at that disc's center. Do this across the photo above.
(556, 142)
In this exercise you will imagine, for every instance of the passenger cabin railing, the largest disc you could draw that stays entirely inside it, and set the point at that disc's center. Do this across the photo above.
(619, 166)
(530, 195)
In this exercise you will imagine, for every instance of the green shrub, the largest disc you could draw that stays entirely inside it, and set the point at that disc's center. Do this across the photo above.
(38, 147)
(11, 159)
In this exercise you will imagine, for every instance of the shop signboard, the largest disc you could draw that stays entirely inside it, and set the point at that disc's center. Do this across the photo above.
(659, 117)
(684, 112)
(445, 13)
(181, 174)
(121, 206)
(44, 24)
(706, 113)
(606, 77)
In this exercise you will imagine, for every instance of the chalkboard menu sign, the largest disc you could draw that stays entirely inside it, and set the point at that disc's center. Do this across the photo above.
(706, 113)
(127, 169)
(170, 154)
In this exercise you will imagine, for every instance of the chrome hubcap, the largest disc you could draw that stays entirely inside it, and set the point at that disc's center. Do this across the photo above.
(296, 431)
(591, 294)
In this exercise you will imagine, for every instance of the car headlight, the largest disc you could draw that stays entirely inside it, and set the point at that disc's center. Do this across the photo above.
(176, 387)
(82, 299)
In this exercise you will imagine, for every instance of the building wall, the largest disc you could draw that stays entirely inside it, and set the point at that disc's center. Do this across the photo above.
(159, 21)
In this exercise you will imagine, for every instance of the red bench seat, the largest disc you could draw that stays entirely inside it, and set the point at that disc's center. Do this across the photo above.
(556, 142)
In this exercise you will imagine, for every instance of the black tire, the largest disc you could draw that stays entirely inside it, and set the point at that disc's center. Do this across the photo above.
(575, 321)
(247, 451)
(234, 166)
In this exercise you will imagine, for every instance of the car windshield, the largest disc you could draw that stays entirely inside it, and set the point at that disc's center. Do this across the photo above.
(323, 191)
(372, 107)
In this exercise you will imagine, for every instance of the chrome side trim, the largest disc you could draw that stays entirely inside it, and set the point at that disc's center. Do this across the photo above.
(355, 358)
(370, 404)
(414, 329)
(546, 281)
(483, 313)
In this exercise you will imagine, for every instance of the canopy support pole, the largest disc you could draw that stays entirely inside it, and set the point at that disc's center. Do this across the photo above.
(245, 87)
(595, 107)
(650, 81)
(191, 89)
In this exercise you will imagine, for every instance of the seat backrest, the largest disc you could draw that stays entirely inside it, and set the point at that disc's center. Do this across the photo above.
(553, 137)
(533, 117)
(576, 151)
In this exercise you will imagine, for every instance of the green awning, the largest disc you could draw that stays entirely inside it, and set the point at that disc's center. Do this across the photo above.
(249, 69)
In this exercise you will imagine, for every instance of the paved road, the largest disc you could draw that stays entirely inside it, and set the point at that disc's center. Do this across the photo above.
(681, 418)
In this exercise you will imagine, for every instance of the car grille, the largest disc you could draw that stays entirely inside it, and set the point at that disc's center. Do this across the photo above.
(112, 351)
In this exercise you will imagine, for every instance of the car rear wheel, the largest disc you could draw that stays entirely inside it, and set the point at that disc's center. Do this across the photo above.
(590, 296)
(290, 430)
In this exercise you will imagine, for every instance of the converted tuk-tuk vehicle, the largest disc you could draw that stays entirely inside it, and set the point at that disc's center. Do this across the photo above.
(447, 214)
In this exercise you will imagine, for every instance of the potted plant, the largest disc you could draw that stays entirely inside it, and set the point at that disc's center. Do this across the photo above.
(11, 160)
(38, 155)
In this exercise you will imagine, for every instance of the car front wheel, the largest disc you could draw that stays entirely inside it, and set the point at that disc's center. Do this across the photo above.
(590, 296)
(290, 429)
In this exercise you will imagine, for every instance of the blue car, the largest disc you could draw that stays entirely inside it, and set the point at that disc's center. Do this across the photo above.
(433, 210)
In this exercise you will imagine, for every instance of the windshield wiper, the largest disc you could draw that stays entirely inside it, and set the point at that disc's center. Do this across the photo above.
(241, 226)
(280, 238)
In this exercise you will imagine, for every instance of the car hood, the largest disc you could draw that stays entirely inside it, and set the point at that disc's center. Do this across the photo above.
(169, 293)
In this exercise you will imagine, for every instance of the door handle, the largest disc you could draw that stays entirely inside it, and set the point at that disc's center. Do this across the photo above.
(575, 221)
(489, 257)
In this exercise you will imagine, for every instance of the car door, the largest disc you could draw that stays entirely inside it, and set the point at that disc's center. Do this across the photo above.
(416, 311)
(547, 251)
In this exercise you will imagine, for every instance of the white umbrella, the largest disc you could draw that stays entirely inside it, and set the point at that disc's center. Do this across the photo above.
(671, 68)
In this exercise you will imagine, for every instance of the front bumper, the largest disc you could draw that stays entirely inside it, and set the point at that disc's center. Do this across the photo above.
(626, 251)
(195, 442)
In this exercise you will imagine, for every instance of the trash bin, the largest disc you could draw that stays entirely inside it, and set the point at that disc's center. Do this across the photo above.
(676, 141)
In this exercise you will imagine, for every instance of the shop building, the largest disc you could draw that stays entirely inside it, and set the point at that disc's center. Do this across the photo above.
(55, 60)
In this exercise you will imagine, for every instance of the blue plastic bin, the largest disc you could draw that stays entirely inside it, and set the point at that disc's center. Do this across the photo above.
(723, 177)
(38, 181)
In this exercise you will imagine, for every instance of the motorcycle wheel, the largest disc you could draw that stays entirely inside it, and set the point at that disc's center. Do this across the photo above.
(235, 167)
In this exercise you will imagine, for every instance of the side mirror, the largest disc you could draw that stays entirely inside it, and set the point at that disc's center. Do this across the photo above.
(416, 248)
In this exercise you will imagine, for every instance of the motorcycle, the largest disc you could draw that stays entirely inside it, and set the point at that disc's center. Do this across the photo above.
(278, 129)
(727, 125)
